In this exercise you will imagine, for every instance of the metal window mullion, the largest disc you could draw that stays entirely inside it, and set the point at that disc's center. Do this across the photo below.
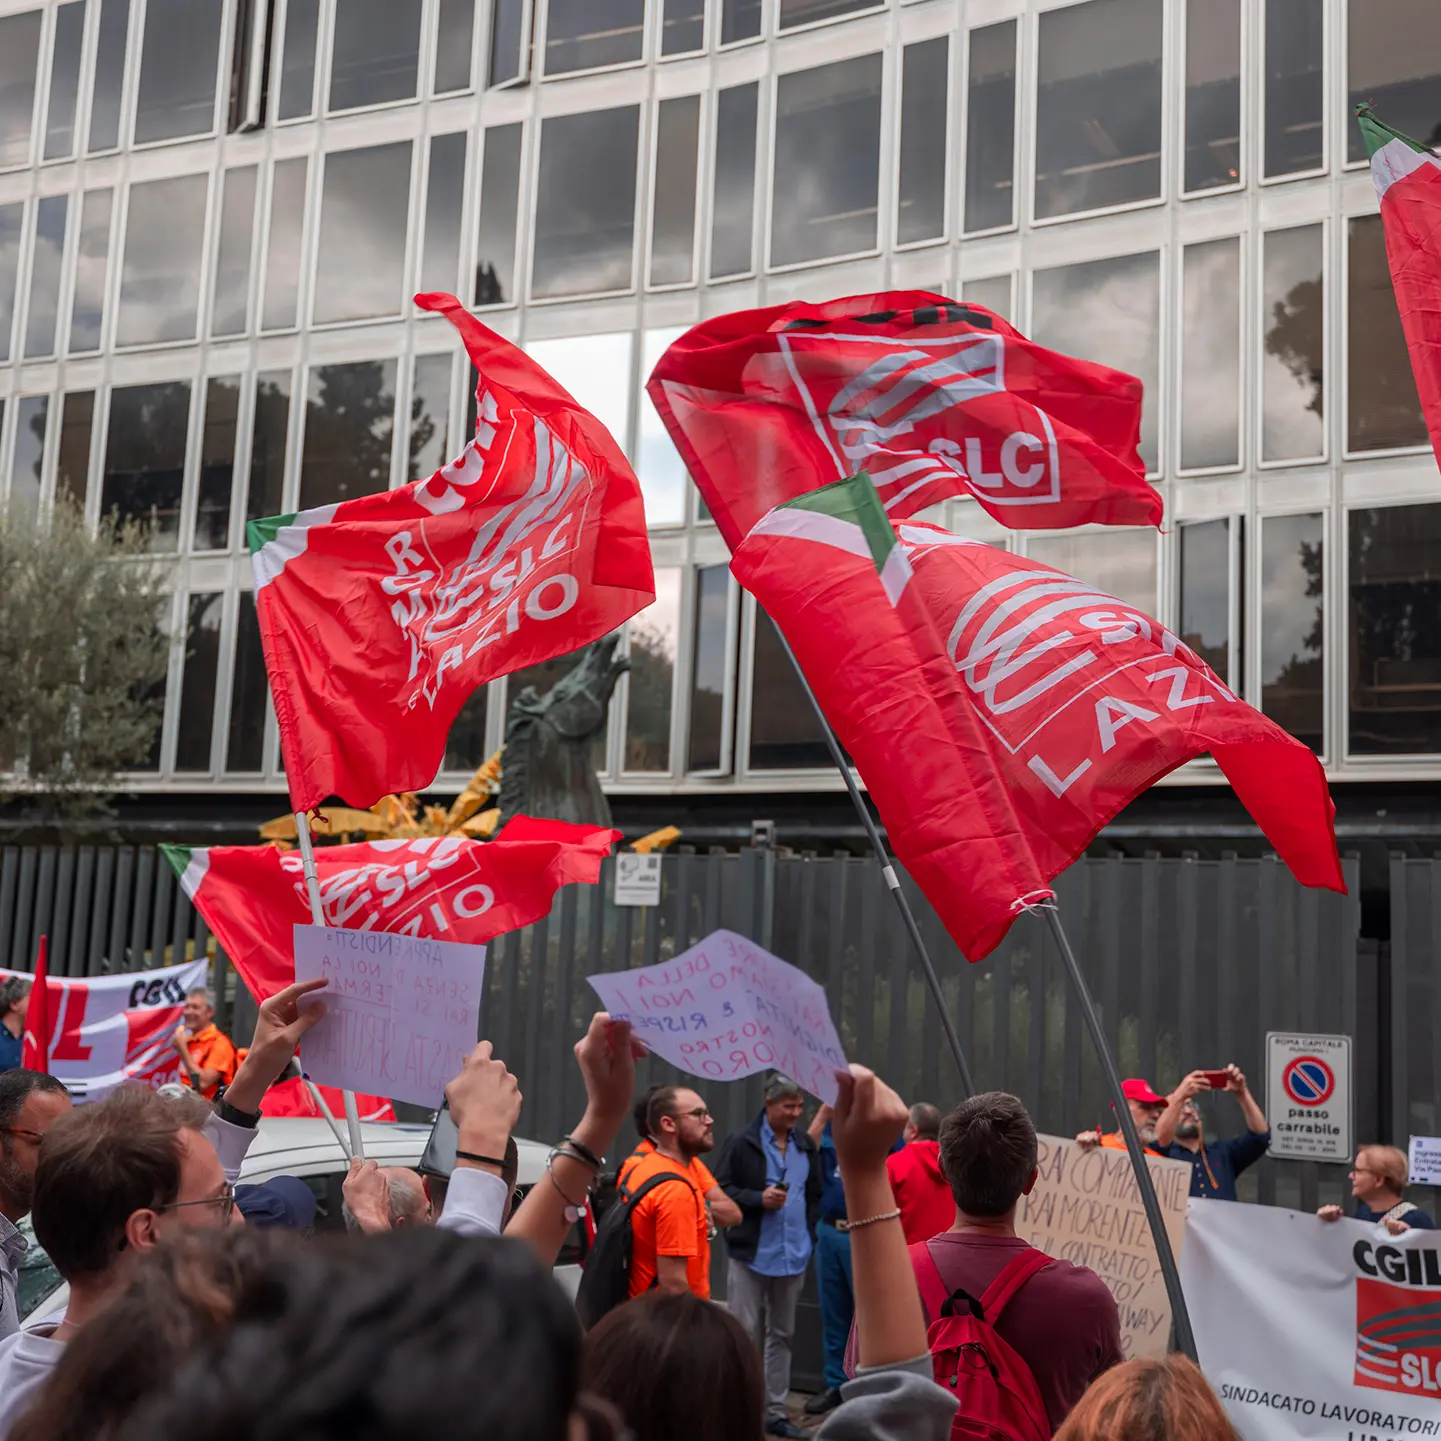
(224, 675)
(174, 676)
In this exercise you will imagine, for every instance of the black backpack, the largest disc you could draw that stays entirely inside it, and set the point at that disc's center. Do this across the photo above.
(605, 1282)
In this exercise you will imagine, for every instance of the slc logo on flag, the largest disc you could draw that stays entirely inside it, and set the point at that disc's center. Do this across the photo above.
(1398, 1333)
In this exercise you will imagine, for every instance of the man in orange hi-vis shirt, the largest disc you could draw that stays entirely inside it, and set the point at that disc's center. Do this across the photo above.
(207, 1055)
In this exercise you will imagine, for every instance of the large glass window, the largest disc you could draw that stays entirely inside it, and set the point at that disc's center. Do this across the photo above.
(921, 186)
(1395, 597)
(1107, 311)
(160, 275)
(203, 615)
(658, 465)
(1383, 410)
(145, 458)
(217, 463)
(45, 260)
(1206, 593)
(109, 84)
(733, 210)
(1210, 409)
(740, 20)
(654, 640)
(454, 44)
(12, 225)
(711, 650)
(27, 461)
(249, 693)
(429, 416)
(682, 27)
(827, 161)
(444, 201)
(499, 216)
(1293, 360)
(507, 41)
(349, 426)
(375, 54)
(1393, 58)
(465, 745)
(1295, 132)
(231, 313)
(297, 59)
(64, 80)
(806, 12)
(994, 292)
(1293, 636)
(1213, 94)
(266, 495)
(365, 205)
(1120, 562)
(586, 34)
(672, 229)
(1098, 106)
(87, 310)
(282, 249)
(585, 203)
(178, 60)
(991, 127)
(72, 460)
(19, 59)
(785, 734)
(596, 369)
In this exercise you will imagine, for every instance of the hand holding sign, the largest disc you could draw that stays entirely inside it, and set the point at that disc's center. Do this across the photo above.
(726, 1009)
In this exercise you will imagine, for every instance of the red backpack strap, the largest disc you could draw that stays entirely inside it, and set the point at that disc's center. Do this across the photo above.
(928, 1277)
(1012, 1277)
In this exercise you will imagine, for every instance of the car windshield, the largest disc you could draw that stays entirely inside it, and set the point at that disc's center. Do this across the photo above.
(38, 1277)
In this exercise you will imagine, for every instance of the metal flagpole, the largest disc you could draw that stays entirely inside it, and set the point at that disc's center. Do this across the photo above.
(893, 883)
(317, 916)
(1185, 1337)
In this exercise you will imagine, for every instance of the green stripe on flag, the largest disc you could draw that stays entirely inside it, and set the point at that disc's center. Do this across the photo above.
(278, 539)
(259, 533)
(189, 864)
(1377, 134)
(853, 500)
(1394, 156)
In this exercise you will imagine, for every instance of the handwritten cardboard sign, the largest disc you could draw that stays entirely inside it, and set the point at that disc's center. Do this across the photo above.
(401, 1012)
(726, 1009)
(1086, 1208)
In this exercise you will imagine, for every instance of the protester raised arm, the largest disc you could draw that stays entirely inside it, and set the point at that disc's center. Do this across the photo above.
(1170, 1118)
(367, 1197)
(1256, 1121)
(484, 1102)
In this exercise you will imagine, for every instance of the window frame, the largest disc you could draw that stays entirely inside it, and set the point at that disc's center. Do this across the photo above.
(655, 25)
(1243, 449)
(775, 31)
(1327, 84)
(1258, 234)
(219, 100)
(892, 119)
(961, 124)
(702, 209)
(470, 240)
(540, 38)
(690, 595)
(1244, 105)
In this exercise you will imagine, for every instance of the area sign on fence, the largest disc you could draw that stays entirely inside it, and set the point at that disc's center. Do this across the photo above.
(1308, 1096)
(637, 879)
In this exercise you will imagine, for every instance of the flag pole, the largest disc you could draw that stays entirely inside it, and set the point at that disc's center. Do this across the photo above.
(893, 884)
(317, 917)
(1180, 1316)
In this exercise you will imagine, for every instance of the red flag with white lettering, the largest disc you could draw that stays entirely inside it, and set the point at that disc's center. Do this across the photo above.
(35, 1038)
(932, 398)
(1000, 711)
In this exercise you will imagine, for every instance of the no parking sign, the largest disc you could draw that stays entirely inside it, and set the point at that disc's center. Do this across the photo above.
(1308, 1096)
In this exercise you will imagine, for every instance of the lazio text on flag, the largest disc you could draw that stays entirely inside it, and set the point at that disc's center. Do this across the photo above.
(380, 615)
(1000, 711)
(932, 398)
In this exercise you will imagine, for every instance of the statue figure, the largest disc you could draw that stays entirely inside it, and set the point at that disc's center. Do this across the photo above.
(547, 770)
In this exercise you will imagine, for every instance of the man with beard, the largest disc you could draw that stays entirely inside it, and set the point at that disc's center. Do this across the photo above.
(30, 1103)
(1215, 1164)
(1145, 1107)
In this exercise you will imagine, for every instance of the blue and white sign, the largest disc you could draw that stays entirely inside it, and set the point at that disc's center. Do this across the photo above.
(1308, 1096)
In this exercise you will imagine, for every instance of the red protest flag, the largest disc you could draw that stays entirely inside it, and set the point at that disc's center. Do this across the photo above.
(379, 616)
(1000, 711)
(35, 1040)
(450, 889)
(932, 398)
(292, 1098)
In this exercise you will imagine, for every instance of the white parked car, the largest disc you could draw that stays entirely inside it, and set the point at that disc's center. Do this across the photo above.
(305, 1147)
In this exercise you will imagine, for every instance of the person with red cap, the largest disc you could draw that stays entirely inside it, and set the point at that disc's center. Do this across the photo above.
(1146, 1107)
(917, 1181)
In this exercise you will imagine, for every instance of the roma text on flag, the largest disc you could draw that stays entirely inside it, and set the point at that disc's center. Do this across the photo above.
(1000, 711)
(380, 615)
(932, 398)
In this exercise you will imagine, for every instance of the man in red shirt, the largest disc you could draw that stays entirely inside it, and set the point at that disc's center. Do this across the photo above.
(921, 1191)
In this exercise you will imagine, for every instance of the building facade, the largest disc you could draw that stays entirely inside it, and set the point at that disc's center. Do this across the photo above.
(213, 214)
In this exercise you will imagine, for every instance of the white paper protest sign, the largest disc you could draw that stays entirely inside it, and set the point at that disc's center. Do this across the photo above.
(401, 1012)
(637, 879)
(1425, 1160)
(726, 1009)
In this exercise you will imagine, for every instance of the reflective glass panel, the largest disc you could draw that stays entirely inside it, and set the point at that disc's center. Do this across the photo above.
(217, 463)
(282, 250)
(177, 69)
(733, 212)
(109, 75)
(654, 641)
(375, 54)
(87, 310)
(145, 458)
(45, 262)
(672, 228)
(349, 425)
(585, 203)
(266, 495)
(682, 27)
(154, 695)
(499, 214)
(711, 648)
(231, 314)
(203, 615)
(740, 20)
(596, 369)
(160, 276)
(465, 745)
(1107, 311)
(19, 59)
(658, 464)
(1293, 353)
(507, 40)
(539, 679)
(785, 734)
(1293, 634)
(1395, 597)
(827, 161)
(12, 224)
(444, 200)
(1213, 93)
(921, 202)
(27, 461)
(455, 42)
(586, 34)
(429, 416)
(1211, 355)
(991, 127)
(1393, 58)
(249, 694)
(1098, 108)
(360, 272)
(1295, 138)
(1383, 410)
(994, 292)
(1206, 593)
(72, 463)
(64, 80)
(805, 12)
(1120, 562)
(297, 59)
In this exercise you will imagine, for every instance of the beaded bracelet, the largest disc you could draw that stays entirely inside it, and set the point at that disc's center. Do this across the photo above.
(871, 1220)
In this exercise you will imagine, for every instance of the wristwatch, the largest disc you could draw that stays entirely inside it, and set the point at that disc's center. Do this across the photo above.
(236, 1117)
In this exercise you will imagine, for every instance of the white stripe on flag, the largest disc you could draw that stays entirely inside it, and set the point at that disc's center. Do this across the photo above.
(896, 574)
(1394, 161)
(816, 525)
(289, 542)
(195, 869)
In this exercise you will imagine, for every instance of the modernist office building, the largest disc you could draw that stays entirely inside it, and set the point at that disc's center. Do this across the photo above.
(213, 214)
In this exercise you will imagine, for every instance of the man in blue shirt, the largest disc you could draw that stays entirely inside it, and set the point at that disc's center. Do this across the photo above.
(1214, 1164)
(14, 997)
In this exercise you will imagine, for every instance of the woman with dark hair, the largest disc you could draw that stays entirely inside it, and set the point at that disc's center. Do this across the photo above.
(1165, 1400)
(674, 1365)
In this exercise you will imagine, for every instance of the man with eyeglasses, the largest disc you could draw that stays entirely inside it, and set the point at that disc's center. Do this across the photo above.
(1214, 1164)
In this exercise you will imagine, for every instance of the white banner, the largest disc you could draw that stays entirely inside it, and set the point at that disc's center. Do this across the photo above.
(1310, 1329)
(106, 1030)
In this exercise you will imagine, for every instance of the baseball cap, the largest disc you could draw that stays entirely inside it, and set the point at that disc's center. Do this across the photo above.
(282, 1201)
(1138, 1090)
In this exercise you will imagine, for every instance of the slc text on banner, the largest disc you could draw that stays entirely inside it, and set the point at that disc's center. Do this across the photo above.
(401, 1012)
(726, 1009)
